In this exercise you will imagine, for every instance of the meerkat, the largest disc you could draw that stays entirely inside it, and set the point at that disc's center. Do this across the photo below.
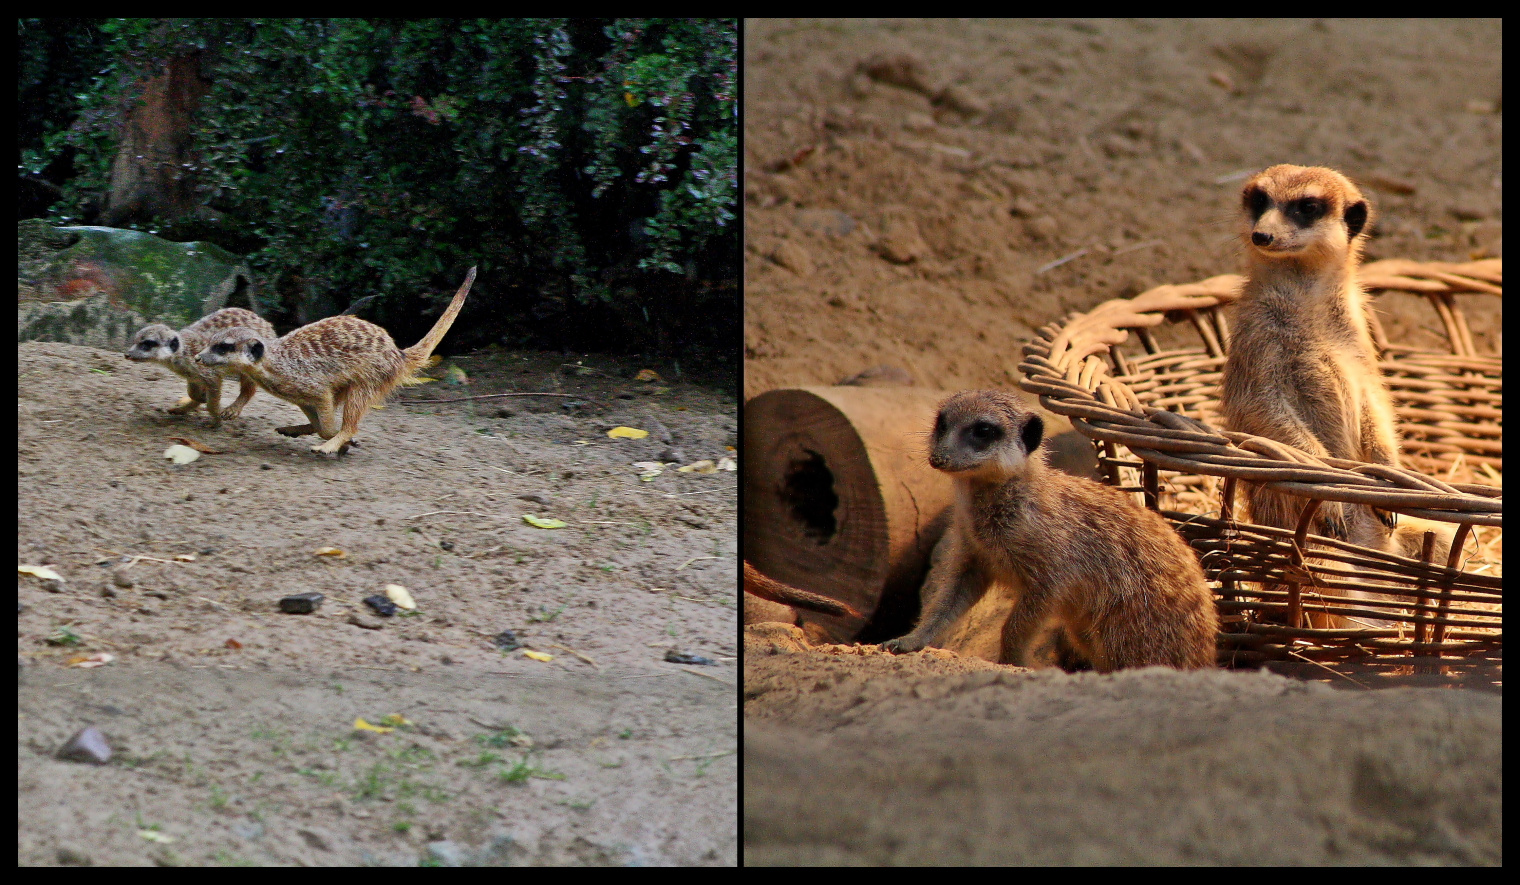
(1124, 587)
(775, 591)
(1302, 367)
(176, 351)
(341, 362)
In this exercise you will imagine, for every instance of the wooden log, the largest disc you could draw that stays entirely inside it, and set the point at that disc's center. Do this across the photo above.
(839, 499)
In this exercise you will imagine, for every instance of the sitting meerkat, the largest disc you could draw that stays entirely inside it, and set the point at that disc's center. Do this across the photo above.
(176, 351)
(1302, 368)
(341, 362)
(1124, 587)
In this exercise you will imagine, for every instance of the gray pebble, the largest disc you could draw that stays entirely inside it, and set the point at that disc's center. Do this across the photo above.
(301, 603)
(87, 745)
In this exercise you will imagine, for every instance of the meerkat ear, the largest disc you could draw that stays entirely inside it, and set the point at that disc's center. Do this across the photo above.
(1356, 218)
(173, 344)
(256, 350)
(1032, 432)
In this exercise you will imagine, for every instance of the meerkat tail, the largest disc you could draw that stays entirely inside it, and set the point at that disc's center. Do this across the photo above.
(775, 591)
(418, 353)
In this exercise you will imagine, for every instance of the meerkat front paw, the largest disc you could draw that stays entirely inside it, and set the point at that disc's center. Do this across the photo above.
(902, 645)
(230, 413)
(331, 447)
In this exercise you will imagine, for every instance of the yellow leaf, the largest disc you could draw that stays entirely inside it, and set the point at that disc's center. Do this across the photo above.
(334, 552)
(155, 836)
(542, 523)
(627, 433)
(39, 571)
(648, 375)
(538, 656)
(699, 467)
(455, 375)
(399, 595)
(361, 725)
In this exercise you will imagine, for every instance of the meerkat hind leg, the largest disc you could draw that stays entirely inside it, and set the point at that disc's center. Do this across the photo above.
(313, 424)
(353, 410)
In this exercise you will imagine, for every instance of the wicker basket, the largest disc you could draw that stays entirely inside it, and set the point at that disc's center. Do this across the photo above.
(1153, 416)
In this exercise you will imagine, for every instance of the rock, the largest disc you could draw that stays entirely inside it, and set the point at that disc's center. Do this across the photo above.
(365, 621)
(675, 657)
(897, 69)
(506, 640)
(826, 221)
(961, 100)
(902, 243)
(120, 578)
(87, 745)
(537, 498)
(794, 258)
(382, 606)
(446, 853)
(301, 603)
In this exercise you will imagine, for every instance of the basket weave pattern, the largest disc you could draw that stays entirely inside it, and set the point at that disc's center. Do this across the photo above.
(1157, 412)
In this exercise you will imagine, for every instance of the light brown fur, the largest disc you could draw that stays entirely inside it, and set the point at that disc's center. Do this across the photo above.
(1302, 368)
(1127, 591)
(176, 351)
(339, 363)
(775, 591)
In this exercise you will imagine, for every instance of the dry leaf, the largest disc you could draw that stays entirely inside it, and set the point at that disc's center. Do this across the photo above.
(361, 725)
(542, 523)
(648, 375)
(199, 447)
(399, 595)
(538, 656)
(699, 467)
(334, 552)
(39, 571)
(627, 433)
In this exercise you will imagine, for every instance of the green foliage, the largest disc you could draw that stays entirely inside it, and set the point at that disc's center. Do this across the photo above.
(577, 159)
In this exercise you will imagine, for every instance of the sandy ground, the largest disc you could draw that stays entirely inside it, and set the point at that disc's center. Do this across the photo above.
(233, 724)
(914, 218)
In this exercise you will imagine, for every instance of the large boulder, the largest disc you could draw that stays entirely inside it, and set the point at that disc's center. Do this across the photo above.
(99, 285)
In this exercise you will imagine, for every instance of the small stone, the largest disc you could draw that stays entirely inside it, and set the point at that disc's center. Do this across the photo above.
(902, 243)
(794, 258)
(1045, 227)
(301, 603)
(120, 578)
(675, 657)
(897, 69)
(506, 640)
(673, 455)
(537, 498)
(365, 621)
(506, 413)
(446, 853)
(382, 606)
(87, 745)
(70, 856)
(961, 100)
(266, 466)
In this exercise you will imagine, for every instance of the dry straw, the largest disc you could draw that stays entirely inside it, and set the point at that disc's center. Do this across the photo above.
(1155, 413)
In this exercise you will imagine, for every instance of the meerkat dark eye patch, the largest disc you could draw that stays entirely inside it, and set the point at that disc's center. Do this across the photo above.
(1256, 201)
(256, 350)
(1356, 218)
(1306, 210)
(174, 344)
(1032, 432)
(982, 434)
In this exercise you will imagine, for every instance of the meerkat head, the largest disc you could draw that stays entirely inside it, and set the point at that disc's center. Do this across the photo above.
(985, 434)
(157, 343)
(231, 347)
(1306, 214)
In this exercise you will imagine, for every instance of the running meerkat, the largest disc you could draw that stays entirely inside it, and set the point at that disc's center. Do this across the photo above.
(341, 362)
(176, 351)
(1302, 367)
(1124, 587)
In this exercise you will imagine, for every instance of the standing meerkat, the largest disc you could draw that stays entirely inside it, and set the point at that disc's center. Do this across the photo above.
(176, 351)
(1127, 591)
(1302, 367)
(341, 362)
